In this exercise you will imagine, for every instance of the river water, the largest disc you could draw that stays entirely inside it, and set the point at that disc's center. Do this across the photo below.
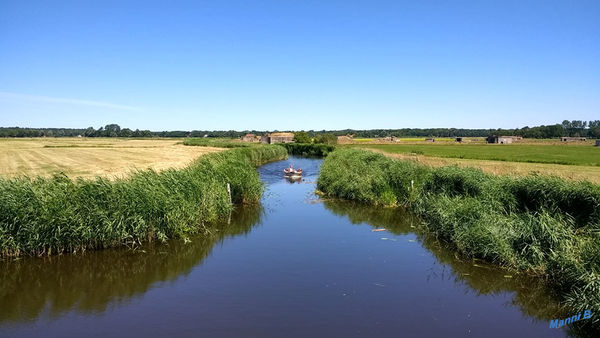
(296, 266)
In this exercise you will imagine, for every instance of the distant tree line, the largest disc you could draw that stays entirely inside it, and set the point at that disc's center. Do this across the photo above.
(575, 128)
(110, 130)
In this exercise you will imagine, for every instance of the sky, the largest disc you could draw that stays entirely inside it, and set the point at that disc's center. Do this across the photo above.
(298, 65)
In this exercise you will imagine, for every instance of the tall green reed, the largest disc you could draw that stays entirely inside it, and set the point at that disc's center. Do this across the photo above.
(54, 215)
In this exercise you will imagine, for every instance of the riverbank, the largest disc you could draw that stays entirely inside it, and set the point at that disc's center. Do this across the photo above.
(44, 216)
(538, 225)
(304, 262)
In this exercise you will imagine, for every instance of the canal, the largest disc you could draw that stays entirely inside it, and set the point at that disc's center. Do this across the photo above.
(295, 266)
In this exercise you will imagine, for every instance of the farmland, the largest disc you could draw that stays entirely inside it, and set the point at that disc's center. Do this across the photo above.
(89, 157)
(574, 161)
(569, 154)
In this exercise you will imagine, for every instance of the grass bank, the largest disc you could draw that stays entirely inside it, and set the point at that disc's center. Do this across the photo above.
(539, 225)
(54, 215)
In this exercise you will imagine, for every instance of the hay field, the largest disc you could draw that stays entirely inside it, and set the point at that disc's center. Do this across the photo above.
(90, 157)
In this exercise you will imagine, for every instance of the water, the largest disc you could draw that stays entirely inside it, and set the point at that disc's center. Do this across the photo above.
(295, 266)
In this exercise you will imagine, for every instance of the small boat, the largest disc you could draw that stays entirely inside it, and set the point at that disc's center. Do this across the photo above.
(291, 172)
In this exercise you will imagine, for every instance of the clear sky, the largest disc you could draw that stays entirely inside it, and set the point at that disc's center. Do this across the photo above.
(183, 65)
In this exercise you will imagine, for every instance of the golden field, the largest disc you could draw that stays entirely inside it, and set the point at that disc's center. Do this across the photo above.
(90, 157)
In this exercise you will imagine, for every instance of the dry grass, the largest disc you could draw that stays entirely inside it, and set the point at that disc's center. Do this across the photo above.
(89, 157)
(569, 172)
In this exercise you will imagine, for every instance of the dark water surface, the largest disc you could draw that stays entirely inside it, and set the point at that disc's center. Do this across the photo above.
(296, 266)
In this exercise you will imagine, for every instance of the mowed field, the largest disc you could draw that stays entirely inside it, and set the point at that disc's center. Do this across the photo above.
(90, 157)
(569, 161)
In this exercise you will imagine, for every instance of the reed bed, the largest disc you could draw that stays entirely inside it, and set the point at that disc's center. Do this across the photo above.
(539, 225)
(43, 216)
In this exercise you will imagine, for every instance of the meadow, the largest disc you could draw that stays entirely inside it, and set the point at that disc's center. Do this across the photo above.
(568, 154)
(90, 157)
(533, 224)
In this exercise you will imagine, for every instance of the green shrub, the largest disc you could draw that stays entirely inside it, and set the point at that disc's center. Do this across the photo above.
(326, 139)
(302, 137)
(308, 149)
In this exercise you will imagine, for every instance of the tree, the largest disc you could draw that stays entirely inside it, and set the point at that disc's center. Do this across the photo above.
(112, 130)
(302, 137)
(326, 138)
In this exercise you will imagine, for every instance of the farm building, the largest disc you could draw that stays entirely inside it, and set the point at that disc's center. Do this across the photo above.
(572, 139)
(249, 138)
(386, 139)
(503, 139)
(277, 138)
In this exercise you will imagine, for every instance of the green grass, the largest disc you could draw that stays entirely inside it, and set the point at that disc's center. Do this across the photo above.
(542, 153)
(540, 225)
(53, 215)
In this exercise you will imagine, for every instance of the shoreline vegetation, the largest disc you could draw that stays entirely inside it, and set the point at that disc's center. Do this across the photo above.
(543, 226)
(44, 216)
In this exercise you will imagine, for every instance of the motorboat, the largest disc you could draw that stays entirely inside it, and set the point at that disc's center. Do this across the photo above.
(291, 172)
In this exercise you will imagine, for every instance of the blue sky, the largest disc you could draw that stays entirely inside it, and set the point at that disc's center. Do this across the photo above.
(298, 64)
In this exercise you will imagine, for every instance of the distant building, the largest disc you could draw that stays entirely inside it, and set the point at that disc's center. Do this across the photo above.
(503, 139)
(430, 139)
(573, 139)
(249, 138)
(277, 138)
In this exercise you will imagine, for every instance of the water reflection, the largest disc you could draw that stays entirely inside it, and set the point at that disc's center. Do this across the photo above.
(531, 295)
(94, 281)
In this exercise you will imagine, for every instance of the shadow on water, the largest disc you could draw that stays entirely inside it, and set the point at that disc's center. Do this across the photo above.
(32, 287)
(532, 295)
